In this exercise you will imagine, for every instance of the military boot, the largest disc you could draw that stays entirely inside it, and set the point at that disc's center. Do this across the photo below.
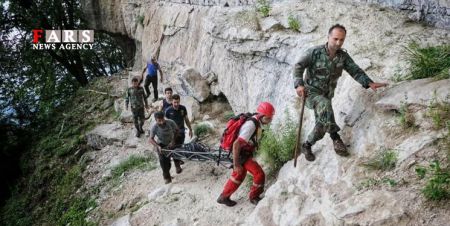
(226, 201)
(340, 148)
(306, 150)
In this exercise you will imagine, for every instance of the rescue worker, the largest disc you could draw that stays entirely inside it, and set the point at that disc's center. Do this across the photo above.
(178, 113)
(152, 68)
(165, 130)
(243, 148)
(167, 102)
(136, 96)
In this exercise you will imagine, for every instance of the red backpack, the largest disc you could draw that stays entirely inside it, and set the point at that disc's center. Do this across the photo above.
(231, 132)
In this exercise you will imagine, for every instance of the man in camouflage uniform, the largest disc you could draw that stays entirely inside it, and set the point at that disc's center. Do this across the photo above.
(136, 96)
(324, 65)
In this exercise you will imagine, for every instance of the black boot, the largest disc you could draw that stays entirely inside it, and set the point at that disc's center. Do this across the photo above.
(226, 201)
(138, 133)
(340, 148)
(306, 150)
(255, 200)
(168, 180)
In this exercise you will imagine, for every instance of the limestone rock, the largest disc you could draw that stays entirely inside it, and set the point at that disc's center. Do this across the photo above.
(122, 221)
(157, 193)
(119, 105)
(192, 107)
(126, 116)
(215, 89)
(271, 24)
(197, 86)
(211, 77)
(365, 63)
(416, 92)
(307, 25)
(104, 135)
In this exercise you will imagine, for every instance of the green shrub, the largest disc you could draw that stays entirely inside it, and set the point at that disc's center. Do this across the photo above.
(133, 162)
(228, 115)
(248, 181)
(49, 193)
(421, 172)
(439, 112)
(428, 62)
(16, 211)
(372, 182)
(438, 184)
(277, 147)
(263, 7)
(398, 75)
(384, 160)
(406, 117)
(76, 214)
(68, 207)
(293, 23)
(140, 20)
(201, 129)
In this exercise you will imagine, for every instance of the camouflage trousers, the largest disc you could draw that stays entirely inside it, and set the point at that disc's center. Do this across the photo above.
(324, 115)
(138, 117)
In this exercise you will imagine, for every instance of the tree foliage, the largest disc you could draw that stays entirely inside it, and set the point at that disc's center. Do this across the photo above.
(34, 83)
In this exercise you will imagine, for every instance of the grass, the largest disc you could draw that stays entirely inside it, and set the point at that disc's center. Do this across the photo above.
(431, 61)
(438, 178)
(439, 112)
(138, 206)
(263, 7)
(248, 181)
(372, 182)
(133, 162)
(384, 160)
(406, 117)
(397, 76)
(437, 186)
(202, 129)
(293, 23)
(277, 147)
(140, 20)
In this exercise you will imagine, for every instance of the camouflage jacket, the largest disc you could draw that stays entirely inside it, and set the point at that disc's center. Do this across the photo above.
(136, 96)
(322, 73)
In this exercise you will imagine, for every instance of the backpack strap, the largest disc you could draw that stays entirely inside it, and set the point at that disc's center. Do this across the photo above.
(257, 125)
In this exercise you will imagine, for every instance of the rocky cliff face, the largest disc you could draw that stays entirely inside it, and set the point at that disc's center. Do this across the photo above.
(433, 12)
(235, 52)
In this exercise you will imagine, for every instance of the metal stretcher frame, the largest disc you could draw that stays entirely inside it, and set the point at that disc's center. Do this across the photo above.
(200, 152)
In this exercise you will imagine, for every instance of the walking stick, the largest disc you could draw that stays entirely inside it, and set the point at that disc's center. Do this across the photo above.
(298, 146)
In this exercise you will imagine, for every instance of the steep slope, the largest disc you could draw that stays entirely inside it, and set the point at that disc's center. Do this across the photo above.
(249, 59)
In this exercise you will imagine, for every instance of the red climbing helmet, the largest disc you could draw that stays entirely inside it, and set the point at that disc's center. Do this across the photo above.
(266, 109)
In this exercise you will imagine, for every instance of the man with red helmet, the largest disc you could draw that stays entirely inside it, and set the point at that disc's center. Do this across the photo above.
(243, 148)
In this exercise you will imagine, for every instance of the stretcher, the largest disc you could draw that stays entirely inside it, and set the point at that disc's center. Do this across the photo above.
(196, 151)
